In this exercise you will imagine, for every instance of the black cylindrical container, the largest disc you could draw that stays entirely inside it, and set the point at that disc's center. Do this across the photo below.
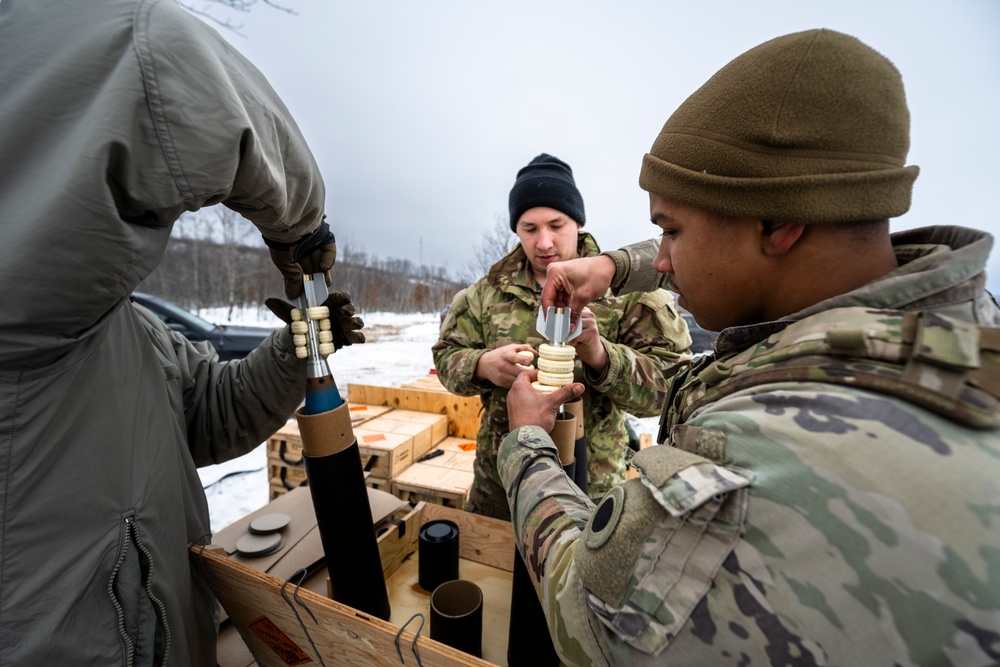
(437, 561)
(457, 616)
(528, 641)
(344, 519)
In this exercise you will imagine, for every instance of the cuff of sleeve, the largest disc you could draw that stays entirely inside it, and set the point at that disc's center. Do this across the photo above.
(516, 445)
(284, 345)
(621, 260)
(612, 374)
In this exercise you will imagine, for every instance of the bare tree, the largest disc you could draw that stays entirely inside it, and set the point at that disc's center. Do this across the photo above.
(235, 232)
(219, 11)
(495, 243)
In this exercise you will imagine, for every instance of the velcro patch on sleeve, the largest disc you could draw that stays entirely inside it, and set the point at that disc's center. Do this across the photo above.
(681, 481)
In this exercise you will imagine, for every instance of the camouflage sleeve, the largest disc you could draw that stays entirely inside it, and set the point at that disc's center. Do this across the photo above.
(461, 345)
(652, 345)
(618, 581)
(549, 513)
(634, 268)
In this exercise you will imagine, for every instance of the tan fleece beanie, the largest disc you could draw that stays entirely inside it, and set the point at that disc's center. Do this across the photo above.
(808, 127)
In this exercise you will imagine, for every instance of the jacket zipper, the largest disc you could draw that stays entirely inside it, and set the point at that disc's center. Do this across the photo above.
(130, 534)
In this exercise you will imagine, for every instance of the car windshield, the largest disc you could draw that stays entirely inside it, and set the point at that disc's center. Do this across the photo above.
(185, 316)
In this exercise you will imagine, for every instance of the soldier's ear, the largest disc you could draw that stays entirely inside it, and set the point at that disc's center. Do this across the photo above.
(777, 238)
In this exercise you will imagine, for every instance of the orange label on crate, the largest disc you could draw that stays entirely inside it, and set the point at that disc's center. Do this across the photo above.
(352, 408)
(375, 437)
(280, 643)
(467, 446)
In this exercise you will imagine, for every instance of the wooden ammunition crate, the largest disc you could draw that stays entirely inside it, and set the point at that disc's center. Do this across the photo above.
(438, 424)
(436, 484)
(287, 443)
(462, 411)
(292, 473)
(464, 445)
(450, 459)
(268, 613)
(361, 413)
(379, 484)
(384, 455)
(425, 429)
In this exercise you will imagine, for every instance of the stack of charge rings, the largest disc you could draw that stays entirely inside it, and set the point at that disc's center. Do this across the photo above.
(300, 331)
(555, 367)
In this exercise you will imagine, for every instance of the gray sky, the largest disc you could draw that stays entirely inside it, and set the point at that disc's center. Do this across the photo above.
(421, 113)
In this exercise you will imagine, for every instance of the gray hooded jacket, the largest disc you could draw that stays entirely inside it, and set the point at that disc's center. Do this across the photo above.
(119, 115)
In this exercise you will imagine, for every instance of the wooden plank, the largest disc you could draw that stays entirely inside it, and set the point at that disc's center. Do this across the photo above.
(276, 631)
(462, 411)
(480, 538)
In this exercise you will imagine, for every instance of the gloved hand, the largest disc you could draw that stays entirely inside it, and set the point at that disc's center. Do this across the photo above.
(313, 253)
(345, 327)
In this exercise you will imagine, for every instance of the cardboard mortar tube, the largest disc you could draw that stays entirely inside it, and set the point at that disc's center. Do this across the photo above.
(326, 433)
(576, 407)
(563, 435)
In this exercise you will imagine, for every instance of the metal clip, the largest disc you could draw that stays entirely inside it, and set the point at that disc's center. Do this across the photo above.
(413, 644)
(301, 573)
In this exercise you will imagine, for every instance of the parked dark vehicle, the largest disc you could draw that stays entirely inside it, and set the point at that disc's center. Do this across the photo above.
(701, 339)
(231, 342)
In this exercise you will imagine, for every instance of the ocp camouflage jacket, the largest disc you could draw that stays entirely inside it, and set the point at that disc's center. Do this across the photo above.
(804, 518)
(643, 334)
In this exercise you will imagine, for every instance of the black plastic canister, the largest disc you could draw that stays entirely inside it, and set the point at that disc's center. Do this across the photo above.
(438, 556)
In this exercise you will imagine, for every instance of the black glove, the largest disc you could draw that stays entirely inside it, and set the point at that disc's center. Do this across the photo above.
(345, 327)
(313, 253)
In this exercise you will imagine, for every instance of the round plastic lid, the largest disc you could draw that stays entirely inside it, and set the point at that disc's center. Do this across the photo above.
(258, 545)
(440, 530)
(269, 523)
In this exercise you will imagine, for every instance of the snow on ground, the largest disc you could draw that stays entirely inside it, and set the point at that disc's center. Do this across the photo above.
(398, 351)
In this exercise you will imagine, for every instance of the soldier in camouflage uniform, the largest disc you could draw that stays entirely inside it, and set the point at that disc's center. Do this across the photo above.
(623, 355)
(827, 488)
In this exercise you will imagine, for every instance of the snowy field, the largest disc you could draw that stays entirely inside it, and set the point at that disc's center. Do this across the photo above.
(398, 351)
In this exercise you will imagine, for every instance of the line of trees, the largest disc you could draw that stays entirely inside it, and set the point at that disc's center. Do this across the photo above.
(216, 259)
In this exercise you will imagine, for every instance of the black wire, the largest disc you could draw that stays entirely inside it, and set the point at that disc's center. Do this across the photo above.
(233, 474)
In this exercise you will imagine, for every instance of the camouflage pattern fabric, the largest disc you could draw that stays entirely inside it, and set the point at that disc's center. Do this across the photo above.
(802, 520)
(642, 332)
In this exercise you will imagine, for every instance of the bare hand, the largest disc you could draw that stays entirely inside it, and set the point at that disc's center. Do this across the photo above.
(589, 347)
(577, 282)
(501, 365)
(529, 407)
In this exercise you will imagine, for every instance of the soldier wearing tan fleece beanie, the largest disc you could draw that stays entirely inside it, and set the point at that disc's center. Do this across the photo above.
(805, 505)
(779, 134)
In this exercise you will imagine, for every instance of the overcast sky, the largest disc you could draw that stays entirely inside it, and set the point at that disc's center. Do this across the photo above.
(421, 113)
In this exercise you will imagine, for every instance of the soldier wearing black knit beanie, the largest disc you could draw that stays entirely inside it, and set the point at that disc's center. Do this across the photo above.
(545, 181)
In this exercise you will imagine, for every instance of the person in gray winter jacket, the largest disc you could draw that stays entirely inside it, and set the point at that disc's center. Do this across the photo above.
(118, 116)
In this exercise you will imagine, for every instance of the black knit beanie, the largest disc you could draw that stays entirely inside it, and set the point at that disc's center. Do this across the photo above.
(545, 181)
(810, 127)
